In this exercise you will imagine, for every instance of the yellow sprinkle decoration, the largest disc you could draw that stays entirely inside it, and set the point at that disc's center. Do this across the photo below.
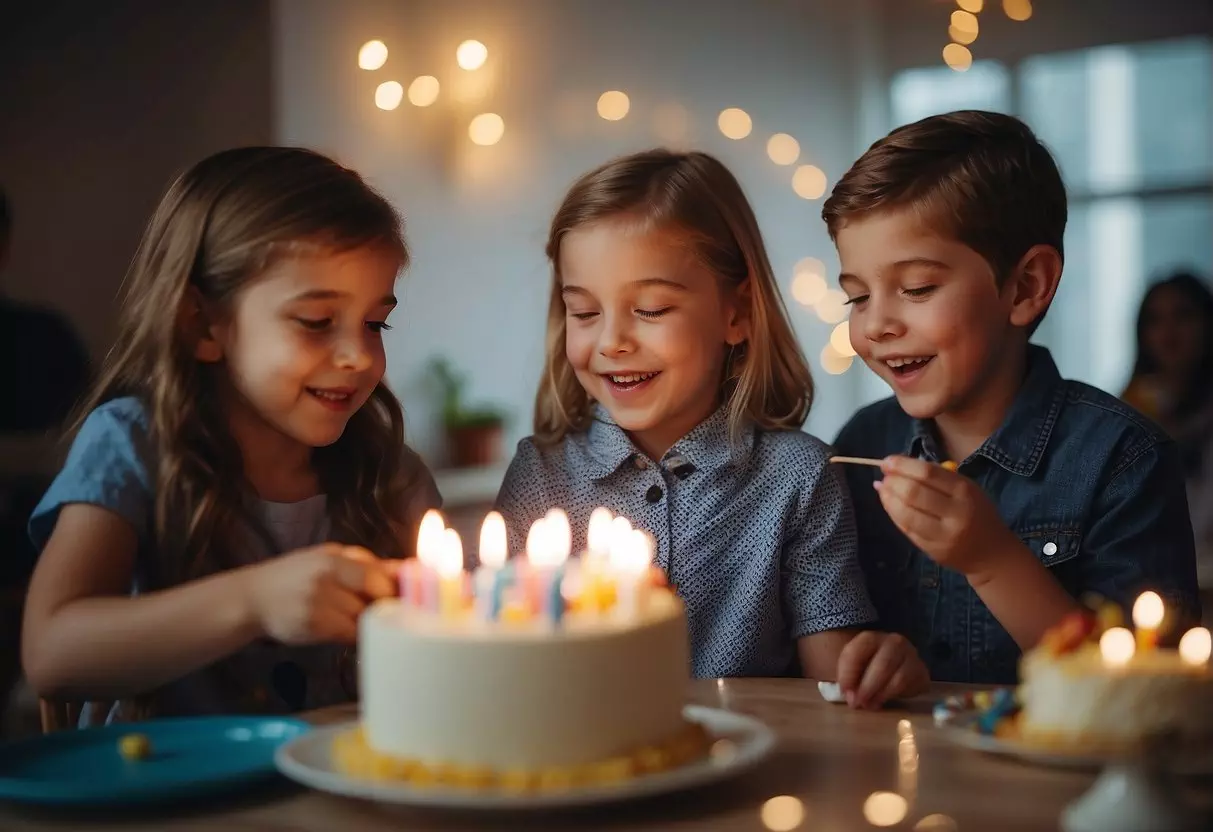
(948, 465)
(135, 747)
(353, 756)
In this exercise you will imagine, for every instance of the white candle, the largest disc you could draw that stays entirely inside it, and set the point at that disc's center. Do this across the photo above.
(493, 551)
(631, 557)
(1195, 646)
(547, 561)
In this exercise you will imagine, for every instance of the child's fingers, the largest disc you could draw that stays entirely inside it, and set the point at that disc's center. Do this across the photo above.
(915, 495)
(334, 626)
(884, 664)
(853, 660)
(359, 570)
(340, 600)
(914, 524)
(928, 473)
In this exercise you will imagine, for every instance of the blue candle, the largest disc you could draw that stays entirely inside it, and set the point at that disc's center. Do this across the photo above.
(501, 581)
(555, 598)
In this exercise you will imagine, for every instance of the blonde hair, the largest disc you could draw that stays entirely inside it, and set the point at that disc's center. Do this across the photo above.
(220, 225)
(767, 382)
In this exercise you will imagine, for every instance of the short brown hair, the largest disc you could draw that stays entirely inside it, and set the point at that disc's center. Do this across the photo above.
(983, 178)
(767, 381)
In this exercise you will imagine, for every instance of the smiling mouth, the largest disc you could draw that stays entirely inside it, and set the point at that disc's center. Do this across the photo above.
(905, 366)
(626, 381)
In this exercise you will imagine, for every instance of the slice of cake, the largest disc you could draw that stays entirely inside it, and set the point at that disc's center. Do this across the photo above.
(539, 672)
(1092, 685)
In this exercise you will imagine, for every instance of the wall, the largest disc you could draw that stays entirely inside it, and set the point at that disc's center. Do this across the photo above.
(103, 104)
(477, 216)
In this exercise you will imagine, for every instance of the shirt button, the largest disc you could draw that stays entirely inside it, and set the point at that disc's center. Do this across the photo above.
(1050, 548)
(653, 495)
(930, 581)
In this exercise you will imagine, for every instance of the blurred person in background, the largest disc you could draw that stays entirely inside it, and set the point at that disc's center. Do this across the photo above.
(1172, 383)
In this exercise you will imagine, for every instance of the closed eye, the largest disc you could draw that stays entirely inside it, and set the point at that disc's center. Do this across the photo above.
(582, 316)
(315, 324)
(378, 326)
(919, 291)
(855, 300)
(653, 313)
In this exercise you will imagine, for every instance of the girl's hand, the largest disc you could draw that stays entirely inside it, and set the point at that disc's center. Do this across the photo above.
(875, 667)
(316, 594)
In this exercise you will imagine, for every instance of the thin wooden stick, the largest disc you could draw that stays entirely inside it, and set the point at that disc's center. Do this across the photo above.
(856, 460)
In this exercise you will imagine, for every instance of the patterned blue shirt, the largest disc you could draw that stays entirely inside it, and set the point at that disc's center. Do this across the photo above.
(758, 537)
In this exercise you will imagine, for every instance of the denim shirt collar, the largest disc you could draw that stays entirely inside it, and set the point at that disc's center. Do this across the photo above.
(706, 447)
(1021, 440)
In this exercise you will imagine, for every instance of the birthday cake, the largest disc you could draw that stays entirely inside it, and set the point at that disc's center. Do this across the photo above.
(536, 672)
(1094, 686)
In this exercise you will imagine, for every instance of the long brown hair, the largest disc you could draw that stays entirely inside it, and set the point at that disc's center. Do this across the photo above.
(767, 381)
(221, 224)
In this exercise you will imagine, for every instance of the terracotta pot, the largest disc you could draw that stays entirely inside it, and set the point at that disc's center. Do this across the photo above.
(474, 446)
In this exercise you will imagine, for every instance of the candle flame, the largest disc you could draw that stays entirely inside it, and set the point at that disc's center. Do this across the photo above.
(1196, 646)
(493, 547)
(598, 535)
(560, 537)
(450, 560)
(1117, 646)
(536, 540)
(1147, 611)
(429, 537)
(632, 553)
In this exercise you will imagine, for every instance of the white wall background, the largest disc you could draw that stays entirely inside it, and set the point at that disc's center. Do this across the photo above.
(477, 217)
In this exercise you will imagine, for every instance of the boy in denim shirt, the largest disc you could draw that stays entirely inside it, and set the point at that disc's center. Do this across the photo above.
(949, 232)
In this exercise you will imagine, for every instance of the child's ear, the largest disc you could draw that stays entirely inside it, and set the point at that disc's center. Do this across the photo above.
(201, 333)
(1033, 284)
(738, 323)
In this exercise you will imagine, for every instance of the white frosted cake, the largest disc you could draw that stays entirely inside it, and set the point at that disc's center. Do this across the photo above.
(538, 678)
(1098, 688)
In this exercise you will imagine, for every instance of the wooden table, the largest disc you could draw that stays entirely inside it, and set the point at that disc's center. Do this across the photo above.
(831, 760)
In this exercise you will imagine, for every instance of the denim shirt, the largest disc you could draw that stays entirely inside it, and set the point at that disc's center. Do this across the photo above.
(1091, 487)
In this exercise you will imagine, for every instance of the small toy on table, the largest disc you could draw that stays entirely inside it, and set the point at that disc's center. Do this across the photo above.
(135, 747)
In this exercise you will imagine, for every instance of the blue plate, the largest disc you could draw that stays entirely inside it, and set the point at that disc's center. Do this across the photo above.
(190, 757)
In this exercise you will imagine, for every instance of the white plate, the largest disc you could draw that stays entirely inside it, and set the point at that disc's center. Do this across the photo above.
(965, 736)
(746, 742)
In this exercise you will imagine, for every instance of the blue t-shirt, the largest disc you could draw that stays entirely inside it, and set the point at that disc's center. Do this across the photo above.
(110, 465)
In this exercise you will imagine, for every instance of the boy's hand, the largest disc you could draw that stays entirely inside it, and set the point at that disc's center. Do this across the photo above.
(943, 513)
(875, 667)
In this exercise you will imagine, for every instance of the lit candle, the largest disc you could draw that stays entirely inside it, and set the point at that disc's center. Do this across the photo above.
(1117, 646)
(450, 572)
(1195, 646)
(422, 590)
(557, 543)
(592, 582)
(488, 573)
(1148, 614)
(631, 557)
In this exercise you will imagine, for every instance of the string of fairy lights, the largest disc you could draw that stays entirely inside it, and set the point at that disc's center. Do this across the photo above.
(809, 287)
(963, 28)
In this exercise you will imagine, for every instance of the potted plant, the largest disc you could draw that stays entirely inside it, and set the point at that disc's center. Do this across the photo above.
(473, 434)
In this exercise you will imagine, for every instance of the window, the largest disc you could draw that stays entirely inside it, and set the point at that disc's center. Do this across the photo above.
(1131, 128)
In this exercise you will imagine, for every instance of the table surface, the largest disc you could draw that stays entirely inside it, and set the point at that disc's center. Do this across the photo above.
(829, 758)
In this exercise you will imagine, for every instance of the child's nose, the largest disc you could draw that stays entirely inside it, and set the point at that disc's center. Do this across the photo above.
(615, 336)
(353, 354)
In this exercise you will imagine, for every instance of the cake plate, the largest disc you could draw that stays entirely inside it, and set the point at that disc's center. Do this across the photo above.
(738, 743)
(1135, 792)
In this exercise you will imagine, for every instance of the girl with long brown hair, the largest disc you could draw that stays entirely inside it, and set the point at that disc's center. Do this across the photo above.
(208, 545)
(673, 393)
